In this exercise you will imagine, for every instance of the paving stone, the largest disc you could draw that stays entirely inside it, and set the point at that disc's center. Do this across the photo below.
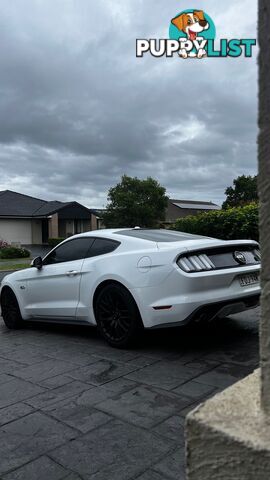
(74, 356)
(172, 466)
(237, 371)
(144, 406)
(118, 451)
(26, 354)
(114, 355)
(195, 390)
(203, 365)
(73, 476)
(142, 361)
(165, 374)
(50, 397)
(80, 416)
(101, 372)
(28, 438)
(44, 370)
(185, 358)
(217, 379)
(174, 428)
(18, 410)
(119, 385)
(93, 396)
(90, 398)
(4, 378)
(42, 469)
(151, 475)
(54, 382)
(9, 366)
(241, 355)
(17, 390)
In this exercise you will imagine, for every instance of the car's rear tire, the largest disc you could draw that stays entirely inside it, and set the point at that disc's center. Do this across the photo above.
(10, 309)
(117, 316)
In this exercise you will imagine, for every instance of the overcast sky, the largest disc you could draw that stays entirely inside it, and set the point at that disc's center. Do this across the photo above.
(78, 109)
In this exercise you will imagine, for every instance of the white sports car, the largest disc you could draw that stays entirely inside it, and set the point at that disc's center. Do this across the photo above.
(123, 279)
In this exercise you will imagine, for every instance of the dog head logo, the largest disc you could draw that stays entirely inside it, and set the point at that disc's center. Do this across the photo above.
(192, 24)
(192, 28)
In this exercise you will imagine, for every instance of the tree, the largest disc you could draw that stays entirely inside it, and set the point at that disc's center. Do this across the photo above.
(243, 192)
(134, 202)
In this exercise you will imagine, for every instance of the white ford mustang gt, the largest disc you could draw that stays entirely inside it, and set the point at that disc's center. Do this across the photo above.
(123, 279)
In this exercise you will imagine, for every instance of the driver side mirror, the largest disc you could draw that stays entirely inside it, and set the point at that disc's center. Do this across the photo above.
(37, 262)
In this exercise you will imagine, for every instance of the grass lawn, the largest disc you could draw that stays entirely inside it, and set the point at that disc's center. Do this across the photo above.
(14, 263)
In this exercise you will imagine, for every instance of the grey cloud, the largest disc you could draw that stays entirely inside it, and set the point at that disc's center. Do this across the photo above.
(78, 110)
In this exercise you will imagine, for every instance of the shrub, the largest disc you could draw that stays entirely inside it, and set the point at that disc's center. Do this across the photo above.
(55, 241)
(231, 224)
(14, 252)
(3, 244)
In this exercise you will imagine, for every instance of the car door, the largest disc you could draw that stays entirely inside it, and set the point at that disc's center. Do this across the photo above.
(91, 274)
(53, 291)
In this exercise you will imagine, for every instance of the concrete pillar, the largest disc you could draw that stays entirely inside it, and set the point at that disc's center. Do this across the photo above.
(53, 226)
(264, 192)
(228, 437)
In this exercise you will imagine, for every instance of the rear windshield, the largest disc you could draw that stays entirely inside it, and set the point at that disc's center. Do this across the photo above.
(158, 235)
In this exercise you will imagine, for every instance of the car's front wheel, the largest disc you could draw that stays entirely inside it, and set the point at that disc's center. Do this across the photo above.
(10, 309)
(117, 316)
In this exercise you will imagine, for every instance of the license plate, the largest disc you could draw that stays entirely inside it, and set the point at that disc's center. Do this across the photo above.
(249, 279)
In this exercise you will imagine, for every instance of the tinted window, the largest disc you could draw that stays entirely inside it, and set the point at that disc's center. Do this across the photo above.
(73, 250)
(102, 246)
(158, 235)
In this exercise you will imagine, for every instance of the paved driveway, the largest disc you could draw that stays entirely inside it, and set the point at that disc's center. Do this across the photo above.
(73, 408)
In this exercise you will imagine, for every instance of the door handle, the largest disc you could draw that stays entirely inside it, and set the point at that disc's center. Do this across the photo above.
(72, 273)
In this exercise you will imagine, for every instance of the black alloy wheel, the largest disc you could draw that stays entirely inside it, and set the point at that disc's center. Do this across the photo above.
(117, 316)
(10, 309)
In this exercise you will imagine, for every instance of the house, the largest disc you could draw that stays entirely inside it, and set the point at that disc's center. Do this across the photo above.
(183, 208)
(27, 220)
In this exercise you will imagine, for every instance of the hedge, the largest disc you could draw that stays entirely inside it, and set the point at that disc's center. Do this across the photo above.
(14, 252)
(53, 242)
(230, 224)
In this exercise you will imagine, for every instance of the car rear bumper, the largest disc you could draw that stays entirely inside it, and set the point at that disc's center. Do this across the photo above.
(217, 309)
(180, 300)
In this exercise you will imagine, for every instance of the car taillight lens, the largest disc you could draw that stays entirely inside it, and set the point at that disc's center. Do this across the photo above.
(257, 254)
(195, 263)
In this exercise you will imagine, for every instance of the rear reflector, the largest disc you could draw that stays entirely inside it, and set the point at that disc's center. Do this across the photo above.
(164, 307)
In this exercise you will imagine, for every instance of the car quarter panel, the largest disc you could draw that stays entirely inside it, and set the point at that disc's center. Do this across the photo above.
(125, 268)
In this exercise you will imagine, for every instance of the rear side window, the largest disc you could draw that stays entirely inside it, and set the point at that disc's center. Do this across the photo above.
(73, 250)
(102, 246)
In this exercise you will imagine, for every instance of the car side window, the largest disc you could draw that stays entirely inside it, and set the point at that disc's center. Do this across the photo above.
(101, 246)
(72, 250)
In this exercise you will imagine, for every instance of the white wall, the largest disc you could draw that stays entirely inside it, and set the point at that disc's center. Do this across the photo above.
(36, 232)
(17, 231)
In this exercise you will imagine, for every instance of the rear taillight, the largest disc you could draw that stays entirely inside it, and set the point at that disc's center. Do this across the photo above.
(257, 254)
(220, 258)
(195, 263)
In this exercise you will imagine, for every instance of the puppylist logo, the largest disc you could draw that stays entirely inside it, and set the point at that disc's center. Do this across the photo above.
(192, 35)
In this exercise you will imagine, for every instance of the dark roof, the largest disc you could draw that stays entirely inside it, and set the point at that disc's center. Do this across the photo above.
(13, 204)
(194, 204)
(51, 207)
